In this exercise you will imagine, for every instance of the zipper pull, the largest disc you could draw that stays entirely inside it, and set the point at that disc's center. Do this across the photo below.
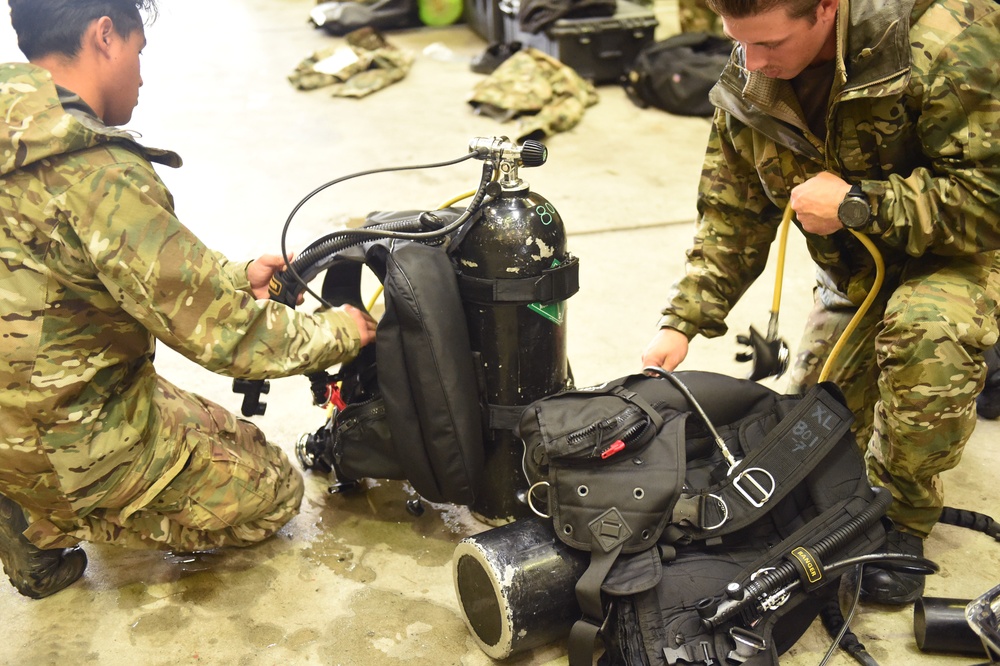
(615, 447)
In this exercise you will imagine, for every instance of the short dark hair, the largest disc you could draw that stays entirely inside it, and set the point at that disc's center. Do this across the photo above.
(744, 8)
(57, 26)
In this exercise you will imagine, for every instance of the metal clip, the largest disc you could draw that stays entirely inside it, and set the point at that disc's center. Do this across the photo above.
(748, 644)
(777, 599)
(531, 505)
(764, 492)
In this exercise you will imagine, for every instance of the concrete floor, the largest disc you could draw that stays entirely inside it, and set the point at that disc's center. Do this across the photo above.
(357, 579)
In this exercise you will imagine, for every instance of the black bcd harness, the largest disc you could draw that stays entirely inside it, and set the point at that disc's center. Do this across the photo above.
(709, 506)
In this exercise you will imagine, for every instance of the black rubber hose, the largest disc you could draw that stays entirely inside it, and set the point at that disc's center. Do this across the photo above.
(833, 621)
(970, 520)
(287, 285)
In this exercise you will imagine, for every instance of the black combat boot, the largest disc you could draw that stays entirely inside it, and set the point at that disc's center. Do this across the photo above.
(36, 573)
(894, 588)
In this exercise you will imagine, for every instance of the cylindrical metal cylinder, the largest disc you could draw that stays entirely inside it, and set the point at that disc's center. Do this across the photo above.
(521, 346)
(939, 625)
(516, 585)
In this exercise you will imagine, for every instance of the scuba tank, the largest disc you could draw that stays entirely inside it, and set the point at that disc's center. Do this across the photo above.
(448, 393)
(514, 276)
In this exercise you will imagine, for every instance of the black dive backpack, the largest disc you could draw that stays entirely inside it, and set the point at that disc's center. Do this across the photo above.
(676, 74)
(409, 404)
(715, 512)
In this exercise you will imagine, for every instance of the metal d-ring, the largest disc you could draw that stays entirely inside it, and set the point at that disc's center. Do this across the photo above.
(725, 512)
(531, 505)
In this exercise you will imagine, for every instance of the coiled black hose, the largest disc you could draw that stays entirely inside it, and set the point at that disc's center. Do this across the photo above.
(319, 255)
(785, 573)
(971, 520)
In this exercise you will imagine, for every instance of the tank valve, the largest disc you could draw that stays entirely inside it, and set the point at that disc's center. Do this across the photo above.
(507, 157)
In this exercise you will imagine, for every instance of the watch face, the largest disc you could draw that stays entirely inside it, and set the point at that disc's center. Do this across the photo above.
(854, 212)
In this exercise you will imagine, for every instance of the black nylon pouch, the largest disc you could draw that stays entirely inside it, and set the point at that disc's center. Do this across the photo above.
(586, 447)
(362, 444)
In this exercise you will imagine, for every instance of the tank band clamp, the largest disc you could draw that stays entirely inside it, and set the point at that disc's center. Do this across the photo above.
(551, 286)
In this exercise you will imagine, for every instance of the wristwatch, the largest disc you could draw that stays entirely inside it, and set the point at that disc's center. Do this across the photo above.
(854, 211)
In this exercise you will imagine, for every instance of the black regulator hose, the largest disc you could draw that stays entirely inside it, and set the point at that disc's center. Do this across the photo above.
(970, 520)
(286, 286)
(769, 582)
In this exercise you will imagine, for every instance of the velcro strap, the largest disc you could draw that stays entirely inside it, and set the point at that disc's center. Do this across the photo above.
(553, 285)
(808, 565)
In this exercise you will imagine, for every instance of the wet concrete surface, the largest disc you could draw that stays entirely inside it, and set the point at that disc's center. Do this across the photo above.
(357, 579)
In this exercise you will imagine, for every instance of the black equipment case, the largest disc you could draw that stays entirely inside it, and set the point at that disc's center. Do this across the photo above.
(599, 49)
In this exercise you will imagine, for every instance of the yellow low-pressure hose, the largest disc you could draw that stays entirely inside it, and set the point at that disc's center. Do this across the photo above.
(863, 309)
(786, 222)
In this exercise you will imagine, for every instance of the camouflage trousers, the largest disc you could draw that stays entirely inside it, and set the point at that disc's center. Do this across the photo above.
(911, 372)
(230, 488)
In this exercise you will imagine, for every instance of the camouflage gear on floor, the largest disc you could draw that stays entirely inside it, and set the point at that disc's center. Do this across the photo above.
(695, 16)
(95, 267)
(367, 64)
(543, 94)
(913, 122)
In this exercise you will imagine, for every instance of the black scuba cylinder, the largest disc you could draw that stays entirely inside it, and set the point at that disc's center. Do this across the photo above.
(517, 335)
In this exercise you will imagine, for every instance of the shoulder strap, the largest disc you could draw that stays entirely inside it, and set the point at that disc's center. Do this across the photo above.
(773, 468)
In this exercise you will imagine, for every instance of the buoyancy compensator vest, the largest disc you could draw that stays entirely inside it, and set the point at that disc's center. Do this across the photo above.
(715, 512)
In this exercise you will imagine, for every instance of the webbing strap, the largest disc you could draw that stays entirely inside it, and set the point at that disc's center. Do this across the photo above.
(588, 595)
(787, 455)
(503, 417)
(554, 284)
(631, 396)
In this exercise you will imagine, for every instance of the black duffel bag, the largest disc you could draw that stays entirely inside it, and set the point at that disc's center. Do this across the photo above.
(676, 74)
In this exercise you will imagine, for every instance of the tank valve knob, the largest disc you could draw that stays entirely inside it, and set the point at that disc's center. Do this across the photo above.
(533, 153)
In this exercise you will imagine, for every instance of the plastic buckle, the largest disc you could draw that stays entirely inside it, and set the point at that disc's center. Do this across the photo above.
(755, 484)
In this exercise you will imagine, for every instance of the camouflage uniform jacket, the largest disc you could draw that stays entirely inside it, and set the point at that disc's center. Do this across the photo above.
(913, 118)
(94, 266)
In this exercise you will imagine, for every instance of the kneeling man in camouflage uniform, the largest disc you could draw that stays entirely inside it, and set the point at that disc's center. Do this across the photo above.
(94, 445)
(879, 118)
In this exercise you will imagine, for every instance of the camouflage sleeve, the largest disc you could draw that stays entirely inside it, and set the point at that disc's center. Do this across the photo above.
(952, 205)
(736, 226)
(187, 295)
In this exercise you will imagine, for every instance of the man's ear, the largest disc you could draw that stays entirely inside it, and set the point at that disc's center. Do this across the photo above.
(102, 33)
(826, 8)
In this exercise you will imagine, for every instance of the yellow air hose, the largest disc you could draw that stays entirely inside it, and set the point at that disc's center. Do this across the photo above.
(862, 310)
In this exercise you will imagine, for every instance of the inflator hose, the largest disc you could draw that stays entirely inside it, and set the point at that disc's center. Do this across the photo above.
(785, 573)
(287, 285)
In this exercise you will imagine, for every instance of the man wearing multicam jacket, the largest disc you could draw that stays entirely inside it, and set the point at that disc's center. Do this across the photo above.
(94, 267)
(883, 117)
